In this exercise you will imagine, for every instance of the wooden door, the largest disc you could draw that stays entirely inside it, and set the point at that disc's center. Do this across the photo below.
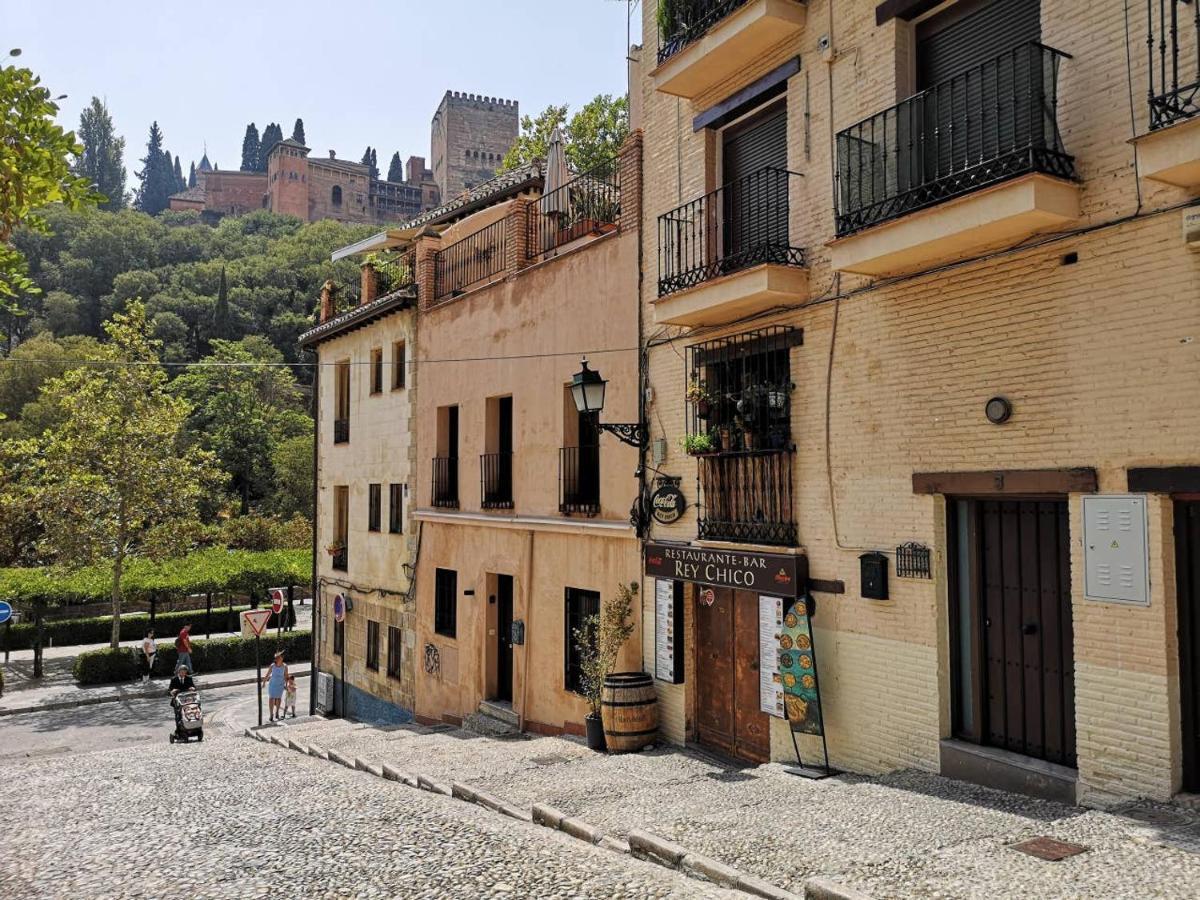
(752, 727)
(504, 647)
(1187, 579)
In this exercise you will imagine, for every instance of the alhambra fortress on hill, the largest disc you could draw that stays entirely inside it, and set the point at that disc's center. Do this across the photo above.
(469, 136)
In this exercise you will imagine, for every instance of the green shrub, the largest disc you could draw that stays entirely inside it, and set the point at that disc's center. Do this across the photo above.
(216, 655)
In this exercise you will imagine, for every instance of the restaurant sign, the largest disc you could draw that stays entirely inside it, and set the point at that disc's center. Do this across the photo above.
(768, 573)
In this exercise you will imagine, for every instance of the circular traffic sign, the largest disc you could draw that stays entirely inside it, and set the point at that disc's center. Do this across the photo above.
(339, 608)
(6, 611)
(276, 601)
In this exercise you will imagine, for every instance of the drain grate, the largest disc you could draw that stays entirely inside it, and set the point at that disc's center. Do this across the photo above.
(1049, 848)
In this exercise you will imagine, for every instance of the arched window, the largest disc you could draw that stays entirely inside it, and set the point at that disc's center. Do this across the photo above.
(337, 195)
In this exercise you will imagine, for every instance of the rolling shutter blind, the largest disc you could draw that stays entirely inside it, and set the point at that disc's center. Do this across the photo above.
(755, 202)
(959, 39)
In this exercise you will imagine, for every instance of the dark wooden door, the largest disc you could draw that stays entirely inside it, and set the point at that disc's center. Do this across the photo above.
(728, 716)
(1024, 602)
(504, 647)
(1187, 579)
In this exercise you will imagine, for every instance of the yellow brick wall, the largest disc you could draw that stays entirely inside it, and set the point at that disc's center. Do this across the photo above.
(1098, 358)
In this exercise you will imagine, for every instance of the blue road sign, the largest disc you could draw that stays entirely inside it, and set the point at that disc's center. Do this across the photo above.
(6, 612)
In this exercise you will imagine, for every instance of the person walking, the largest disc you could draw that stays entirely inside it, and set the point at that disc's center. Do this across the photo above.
(149, 651)
(183, 644)
(276, 681)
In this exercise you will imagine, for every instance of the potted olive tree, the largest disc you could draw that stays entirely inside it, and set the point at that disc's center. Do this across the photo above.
(599, 641)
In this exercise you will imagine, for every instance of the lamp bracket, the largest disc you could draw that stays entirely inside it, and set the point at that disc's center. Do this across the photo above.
(631, 433)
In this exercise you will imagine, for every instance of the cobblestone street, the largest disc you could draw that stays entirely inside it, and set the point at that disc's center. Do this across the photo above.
(236, 818)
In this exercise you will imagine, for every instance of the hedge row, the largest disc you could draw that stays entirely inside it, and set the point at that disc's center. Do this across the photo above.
(98, 629)
(216, 655)
(214, 569)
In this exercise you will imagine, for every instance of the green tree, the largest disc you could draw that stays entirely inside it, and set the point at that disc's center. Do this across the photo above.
(292, 460)
(396, 169)
(251, 147)
(534, 138)
(370, 159)
(271, 136)
(222, 325)
(592, 136)
(102, 161)
(114, 479)
(180, 184)
(157, 177)
(191, 181)
(298, 131)
(35, 169)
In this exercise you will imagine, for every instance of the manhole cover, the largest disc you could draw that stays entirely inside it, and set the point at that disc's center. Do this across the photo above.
(1158, 815)
(1049, 849)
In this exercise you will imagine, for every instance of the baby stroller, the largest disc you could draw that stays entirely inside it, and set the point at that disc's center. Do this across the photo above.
(189, 719)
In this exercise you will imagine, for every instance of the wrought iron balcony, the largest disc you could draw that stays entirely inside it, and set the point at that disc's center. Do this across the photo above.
(588, 204)
(1170, 100)
(579, 480)
(988, 124)
(476, 257)
(747, 497)
(341, 431)
(395, 273)
(445, 482)
(339, 559)
(495, 476)
(681, 22)
(737, 226)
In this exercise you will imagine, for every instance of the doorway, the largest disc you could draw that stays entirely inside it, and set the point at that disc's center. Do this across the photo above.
(728, 714)
(1011, 630)
(1187, 582)
(504, 646)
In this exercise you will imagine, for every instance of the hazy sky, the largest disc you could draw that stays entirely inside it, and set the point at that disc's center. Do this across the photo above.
(358, 72)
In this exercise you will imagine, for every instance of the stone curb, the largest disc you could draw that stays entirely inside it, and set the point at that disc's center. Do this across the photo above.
(117, 698)
(824, 889)
(653, 848)
(642, 843)
(391, 773)
(341, 758)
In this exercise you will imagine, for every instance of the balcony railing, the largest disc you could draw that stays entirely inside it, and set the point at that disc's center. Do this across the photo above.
(495, 476)
(681, 22)
(588, 204)
(477, 256)
(990, 123)
(1174, 82)
(395, 273)
(445, 482)
(747, 497)
(341, 431)
(579, 480)
(743, 224)
(339, 559)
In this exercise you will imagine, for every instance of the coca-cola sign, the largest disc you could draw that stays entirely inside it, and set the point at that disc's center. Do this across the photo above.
(766, 573)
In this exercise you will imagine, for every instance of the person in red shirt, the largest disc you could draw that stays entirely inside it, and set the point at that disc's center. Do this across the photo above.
(183, 644)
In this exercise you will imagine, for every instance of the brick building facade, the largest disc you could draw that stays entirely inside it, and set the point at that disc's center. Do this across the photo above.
(470, 136)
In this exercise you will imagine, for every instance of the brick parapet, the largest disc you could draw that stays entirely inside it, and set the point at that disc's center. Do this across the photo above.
(629, 168)
(427, 247)
(517, 235)
(370, 284)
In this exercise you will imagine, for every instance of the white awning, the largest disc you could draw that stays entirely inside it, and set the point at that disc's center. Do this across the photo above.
(385, 240)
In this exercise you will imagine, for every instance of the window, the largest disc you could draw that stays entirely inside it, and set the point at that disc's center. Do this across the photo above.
(580, 604)
(445, 600)
(373, 646)
(397, 365)
(395, 509)
(377, 370)
(373, 504)
(393, 653)
(341, 400)
(341, 526)
(339, 637)
(336, 196)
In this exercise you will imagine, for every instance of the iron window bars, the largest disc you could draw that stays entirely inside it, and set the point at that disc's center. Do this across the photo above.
(445, 482)
(590, 203)
(995, 121)
(372, 645)
(739, 399)
(495, 477)
(1172, 101)
(579, 480)
(913, 561)
(682, 22)
(476, 257)
(393, 651)
(739, 225)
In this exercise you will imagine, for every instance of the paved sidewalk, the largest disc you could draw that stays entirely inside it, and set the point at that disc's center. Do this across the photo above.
(906, 834)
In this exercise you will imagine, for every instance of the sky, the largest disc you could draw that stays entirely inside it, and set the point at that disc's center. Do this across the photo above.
(358, 73)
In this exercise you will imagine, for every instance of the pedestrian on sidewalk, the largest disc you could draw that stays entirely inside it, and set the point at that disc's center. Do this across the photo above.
(275, 680)
(289, 696)
(183, 644)
(149, 651)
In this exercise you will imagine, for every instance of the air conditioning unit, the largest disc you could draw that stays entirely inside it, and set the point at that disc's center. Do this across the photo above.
(324, 693)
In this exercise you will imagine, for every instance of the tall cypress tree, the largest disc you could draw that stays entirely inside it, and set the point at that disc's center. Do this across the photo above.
(102, 160)
(156, 175)
(271, 136)
(191, 182)
(250, 149)
(180, 184)
(395, 169)
(221, 320)
(298, 131)
(368, 159)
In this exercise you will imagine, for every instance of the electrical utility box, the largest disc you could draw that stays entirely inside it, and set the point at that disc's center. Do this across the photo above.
(1116, 564)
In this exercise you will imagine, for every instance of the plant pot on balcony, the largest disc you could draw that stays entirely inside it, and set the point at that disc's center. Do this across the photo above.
(594, 727)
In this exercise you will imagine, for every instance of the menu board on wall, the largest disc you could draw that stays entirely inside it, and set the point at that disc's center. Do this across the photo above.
(668, 631)
(770, 622)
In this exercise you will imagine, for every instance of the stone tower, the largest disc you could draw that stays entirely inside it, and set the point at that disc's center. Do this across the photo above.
(470, 136)
(287, 179)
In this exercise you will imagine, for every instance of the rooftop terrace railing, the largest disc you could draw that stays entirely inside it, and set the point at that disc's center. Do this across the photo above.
(590, 203)
(478, 256)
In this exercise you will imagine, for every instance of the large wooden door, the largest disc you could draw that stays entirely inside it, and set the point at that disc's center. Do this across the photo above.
(728, 716)
(1187, 580)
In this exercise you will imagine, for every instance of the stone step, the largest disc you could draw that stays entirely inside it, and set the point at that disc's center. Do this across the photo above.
(486, 725)
(499, 709)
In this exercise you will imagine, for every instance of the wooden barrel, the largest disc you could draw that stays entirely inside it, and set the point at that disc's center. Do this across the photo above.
(629, 708)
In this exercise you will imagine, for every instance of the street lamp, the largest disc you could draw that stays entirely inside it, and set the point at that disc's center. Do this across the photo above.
(587, 390)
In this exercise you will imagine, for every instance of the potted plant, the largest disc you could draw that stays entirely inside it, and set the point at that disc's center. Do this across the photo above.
(335, 548)
(698, 396)
(696, 444)
(599, 641)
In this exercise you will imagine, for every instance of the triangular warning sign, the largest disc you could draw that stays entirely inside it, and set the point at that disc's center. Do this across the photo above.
(257, 619)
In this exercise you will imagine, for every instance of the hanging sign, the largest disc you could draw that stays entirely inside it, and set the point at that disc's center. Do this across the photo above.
(783, 575)
(770, 682)
(798, 671)
(667, 504)
(668, 631)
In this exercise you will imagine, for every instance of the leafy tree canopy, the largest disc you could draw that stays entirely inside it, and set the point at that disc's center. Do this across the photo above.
(103, 159)
(592, 136)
